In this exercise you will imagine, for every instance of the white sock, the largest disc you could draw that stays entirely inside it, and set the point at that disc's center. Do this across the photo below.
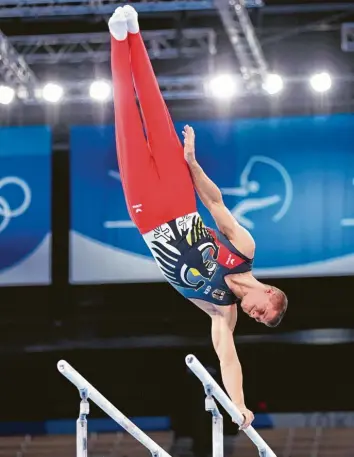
(132, 19)
(118, 25)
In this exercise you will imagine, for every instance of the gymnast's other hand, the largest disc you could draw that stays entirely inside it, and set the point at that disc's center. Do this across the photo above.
(248, 417)
(189, 144)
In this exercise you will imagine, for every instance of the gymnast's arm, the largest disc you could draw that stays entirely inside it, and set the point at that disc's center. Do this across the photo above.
(211, 197)
(208, 192)
(231, 370)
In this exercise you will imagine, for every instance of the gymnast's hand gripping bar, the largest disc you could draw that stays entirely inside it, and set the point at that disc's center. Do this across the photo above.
(215, 390)
(80, 382)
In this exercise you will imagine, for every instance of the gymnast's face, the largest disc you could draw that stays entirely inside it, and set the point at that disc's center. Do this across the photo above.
(258, 304)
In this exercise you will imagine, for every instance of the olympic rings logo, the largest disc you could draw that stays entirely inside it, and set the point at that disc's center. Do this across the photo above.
(6, 212)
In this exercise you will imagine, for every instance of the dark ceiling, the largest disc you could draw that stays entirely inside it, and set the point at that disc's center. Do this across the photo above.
(298, 38)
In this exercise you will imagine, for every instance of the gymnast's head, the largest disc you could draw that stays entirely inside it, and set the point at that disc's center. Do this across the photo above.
(266, 305)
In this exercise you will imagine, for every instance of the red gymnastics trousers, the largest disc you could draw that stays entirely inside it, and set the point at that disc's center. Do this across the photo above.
(156, 180)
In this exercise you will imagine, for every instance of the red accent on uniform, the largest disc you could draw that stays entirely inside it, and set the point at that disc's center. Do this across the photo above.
(226, 258)
(156, 180)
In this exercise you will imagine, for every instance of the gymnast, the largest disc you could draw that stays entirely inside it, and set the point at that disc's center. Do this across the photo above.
(211, 268)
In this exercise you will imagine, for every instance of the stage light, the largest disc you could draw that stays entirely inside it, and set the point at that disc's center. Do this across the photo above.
(7, 95)
(321, 82)
(100, 90)
(223, 86)
(52, 92)
(273, 84)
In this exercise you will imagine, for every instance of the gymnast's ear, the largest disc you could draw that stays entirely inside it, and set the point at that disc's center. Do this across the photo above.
(280, 302)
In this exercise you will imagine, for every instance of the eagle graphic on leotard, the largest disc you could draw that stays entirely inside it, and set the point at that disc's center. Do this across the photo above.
(182, 252)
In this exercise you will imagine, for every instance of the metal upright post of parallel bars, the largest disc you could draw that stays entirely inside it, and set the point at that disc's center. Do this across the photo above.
(213, 390)
(87, 391)
(218, 423)
(81, 425)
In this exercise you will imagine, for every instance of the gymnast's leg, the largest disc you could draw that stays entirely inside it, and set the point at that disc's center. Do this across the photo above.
(165, 146)
(136, 164)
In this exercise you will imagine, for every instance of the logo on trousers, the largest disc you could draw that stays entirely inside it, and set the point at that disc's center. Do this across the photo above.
(138, 208)
(6, 212)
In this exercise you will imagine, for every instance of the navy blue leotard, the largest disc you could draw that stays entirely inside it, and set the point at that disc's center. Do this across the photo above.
(195, 259)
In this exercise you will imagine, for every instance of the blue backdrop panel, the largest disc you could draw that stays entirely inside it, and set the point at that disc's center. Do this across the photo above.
(290, 181)
(25, 205)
